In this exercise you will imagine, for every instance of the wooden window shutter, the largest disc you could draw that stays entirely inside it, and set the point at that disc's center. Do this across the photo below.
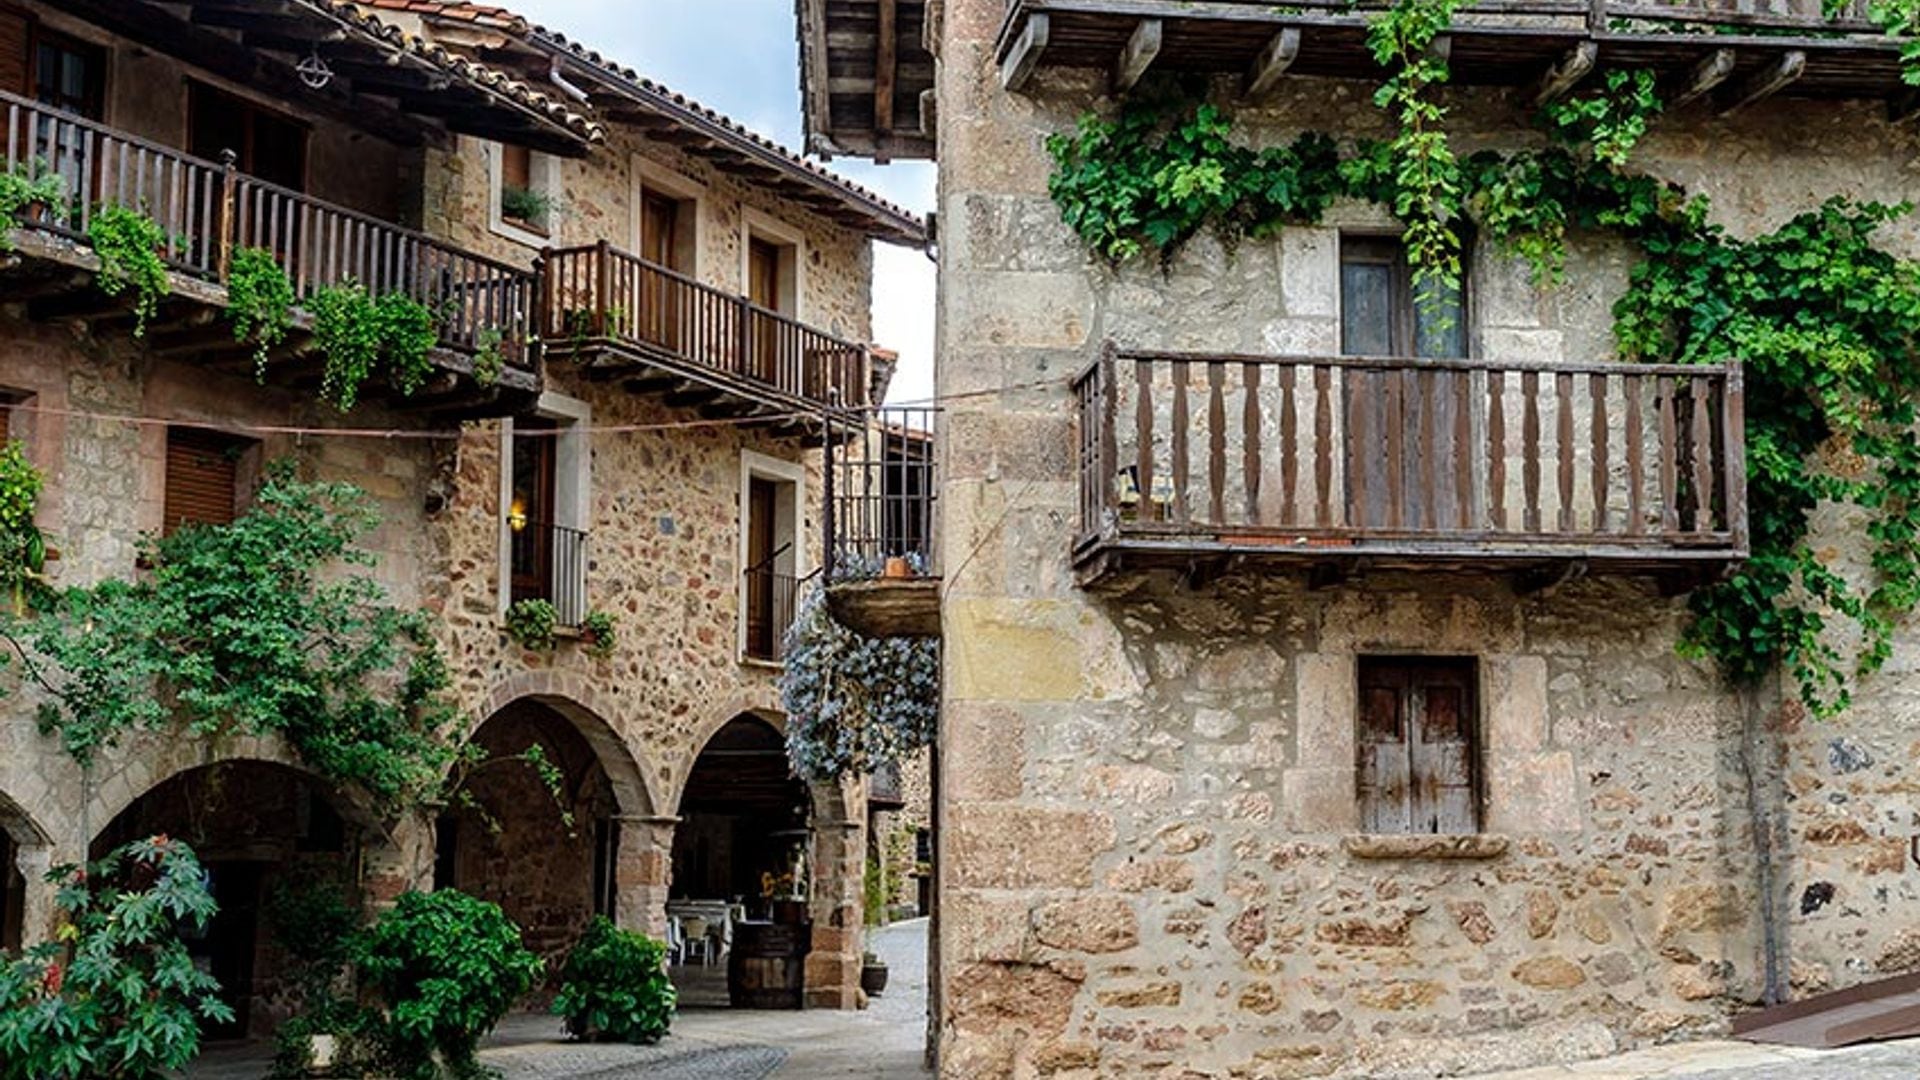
(516, 167)
(16, 39)
(202, 478)
(1418, 753)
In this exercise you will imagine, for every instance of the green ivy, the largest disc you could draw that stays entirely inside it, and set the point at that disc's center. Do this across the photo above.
(269, 625)
(128, 244)
(259, 302)
(1823, 320)
(489, 357)
(23, 551)
(1420, 168)
(360, 335)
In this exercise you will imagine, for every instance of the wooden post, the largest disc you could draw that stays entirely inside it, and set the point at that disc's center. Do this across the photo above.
(603, 286)
(229, 208)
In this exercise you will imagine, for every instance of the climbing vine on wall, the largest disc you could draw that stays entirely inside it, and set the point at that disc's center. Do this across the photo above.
(1824, 320)
(269, 625)
(854, 703)
(23, 551)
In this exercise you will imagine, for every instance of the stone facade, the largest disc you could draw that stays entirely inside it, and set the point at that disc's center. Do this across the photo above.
(661, 500)
(1151, 855)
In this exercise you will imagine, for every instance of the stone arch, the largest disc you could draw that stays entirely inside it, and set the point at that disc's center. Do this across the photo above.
(145, 764)
(832, 800)
(588, 710)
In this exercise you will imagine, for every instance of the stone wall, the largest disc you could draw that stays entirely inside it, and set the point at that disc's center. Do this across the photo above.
(1151, 858)
(596, 202)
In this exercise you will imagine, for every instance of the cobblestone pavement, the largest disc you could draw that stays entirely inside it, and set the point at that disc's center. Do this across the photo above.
(1740, 1061)
(883, 1042)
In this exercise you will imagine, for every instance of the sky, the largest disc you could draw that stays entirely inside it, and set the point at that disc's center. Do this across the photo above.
(742, 58)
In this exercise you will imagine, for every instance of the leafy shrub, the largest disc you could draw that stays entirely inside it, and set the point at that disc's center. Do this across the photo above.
(531, 623)
(614, 986)
(444, 967)
(118, 998)
(128, 244)
(24, 185)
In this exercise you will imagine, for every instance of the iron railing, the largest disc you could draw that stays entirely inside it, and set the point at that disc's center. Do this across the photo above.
(600, 294)
(882, 493)
(549, 562)
(772, 597)
(208, 210)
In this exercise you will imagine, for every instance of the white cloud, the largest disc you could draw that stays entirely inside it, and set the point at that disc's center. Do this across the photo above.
(741, 57)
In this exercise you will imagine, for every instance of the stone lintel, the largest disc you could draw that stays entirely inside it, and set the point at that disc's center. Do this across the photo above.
(1398, 846)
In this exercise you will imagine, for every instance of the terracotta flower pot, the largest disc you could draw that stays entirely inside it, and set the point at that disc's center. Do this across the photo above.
(897, 568)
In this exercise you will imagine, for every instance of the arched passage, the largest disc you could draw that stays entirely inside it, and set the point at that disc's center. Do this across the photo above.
(742, 814)
(17, 832)
(265, 832)
(551, 861)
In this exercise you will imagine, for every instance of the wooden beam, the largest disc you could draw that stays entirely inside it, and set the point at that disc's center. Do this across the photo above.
(885, 64)
(1563, 76)
(1018, 67)
(1709, 73)
(1768, 81)
(1138, 55)
(1275, 58)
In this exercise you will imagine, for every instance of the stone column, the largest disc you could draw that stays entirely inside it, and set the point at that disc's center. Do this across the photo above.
(642, 873)
(401, 861)
(835, 904)
(39, 919)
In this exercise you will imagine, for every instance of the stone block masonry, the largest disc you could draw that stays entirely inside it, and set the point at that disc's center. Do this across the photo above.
(1153, 861)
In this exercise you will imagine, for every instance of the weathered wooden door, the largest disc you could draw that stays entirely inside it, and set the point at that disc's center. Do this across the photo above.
(763, 288)
(762, 508)
(1417, 747)
(660, 315)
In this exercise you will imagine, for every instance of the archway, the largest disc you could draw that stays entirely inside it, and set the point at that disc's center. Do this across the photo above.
(17, 832)
(551, 859)
(744, 826)
(267, 835)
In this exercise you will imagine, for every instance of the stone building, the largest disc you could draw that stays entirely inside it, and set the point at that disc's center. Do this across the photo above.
(1204, 609)
(650, 447)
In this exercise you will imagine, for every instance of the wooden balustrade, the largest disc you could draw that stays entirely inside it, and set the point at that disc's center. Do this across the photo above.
(209, 210)
(1412, 458)
(600, 294)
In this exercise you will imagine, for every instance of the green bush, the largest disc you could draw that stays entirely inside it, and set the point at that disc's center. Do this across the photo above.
(443, 968)
(615, 987)
(118, 998)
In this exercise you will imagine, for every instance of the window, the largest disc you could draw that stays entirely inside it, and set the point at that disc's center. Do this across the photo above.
(1418, 726)
(544, 509)
(268, 145)
(770, 552)
(522, 195)
(205, 474)
(69, 74)
(1378, 314)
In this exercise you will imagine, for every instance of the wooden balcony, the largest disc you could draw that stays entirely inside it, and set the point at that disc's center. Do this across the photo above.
(210, 210)
(663, 332)
(1731, 52)
(1335, 464)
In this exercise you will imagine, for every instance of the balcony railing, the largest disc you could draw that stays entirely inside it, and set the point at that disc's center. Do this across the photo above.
(1409, 460)
(549, 562)
(882, 495)
(208, 210)
(772, 597)
(602, 296)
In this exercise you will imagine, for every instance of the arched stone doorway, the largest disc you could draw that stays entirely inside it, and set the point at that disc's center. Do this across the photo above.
(263, 831)
(742, 814)
(18, 834)
(552, 863)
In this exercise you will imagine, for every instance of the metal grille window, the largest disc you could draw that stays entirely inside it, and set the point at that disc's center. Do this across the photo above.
(1418, 741)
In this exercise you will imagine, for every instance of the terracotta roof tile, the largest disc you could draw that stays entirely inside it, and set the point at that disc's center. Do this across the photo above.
(902, 224)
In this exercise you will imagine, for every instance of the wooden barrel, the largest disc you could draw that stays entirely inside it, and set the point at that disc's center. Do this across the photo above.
(767, 967)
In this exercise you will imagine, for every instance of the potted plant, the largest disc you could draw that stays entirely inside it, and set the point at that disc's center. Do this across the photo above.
(873, 974)
(526, 206)
(597, 632)
(531, 623)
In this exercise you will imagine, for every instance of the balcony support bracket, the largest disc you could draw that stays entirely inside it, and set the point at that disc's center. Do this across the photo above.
(1020, 63)
(1543, 580)
(1138, 56)
(1565, 75)
(1706, 75)
(1768, 81)
(1274, 60)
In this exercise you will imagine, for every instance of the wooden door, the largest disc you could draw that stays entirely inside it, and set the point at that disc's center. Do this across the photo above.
(1417, 746)
(661, 315)
(1406, 424)
(530, 511)
(762, 506)
(763, 288)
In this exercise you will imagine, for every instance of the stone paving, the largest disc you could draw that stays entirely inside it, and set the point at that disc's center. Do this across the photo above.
(883, 1042)
(1739, 1061)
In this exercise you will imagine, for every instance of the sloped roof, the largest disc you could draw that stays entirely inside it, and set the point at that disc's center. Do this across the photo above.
(877, 216)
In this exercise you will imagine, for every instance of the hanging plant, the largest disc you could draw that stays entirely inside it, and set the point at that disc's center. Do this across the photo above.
(489, 356)
(359, 334)
(854, 703)
(128, 244)
(259, 302)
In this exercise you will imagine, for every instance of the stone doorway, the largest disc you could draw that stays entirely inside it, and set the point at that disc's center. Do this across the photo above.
(262, 831)
(744, 828)
(13, 894)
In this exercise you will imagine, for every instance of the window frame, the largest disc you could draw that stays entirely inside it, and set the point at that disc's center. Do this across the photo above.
(245, 453)
(94, 103)
(790, 478)
(543, 173)
(572, 495)
(1386, 247)
(1372, 670)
